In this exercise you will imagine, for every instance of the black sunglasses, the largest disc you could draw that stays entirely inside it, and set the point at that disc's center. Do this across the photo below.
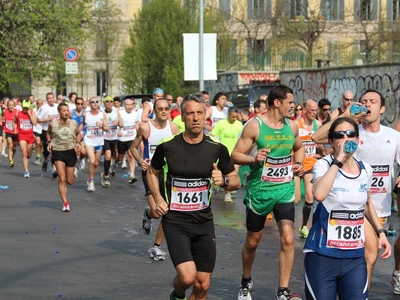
(340, 134)
(348, 99)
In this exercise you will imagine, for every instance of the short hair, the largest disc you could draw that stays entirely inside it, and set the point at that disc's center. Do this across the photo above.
(323, 102)
(79, 98)
(374, 91)
(205, 92)
(144, 99)
(71, 94)
(61, 105)
(278, 92)
(117, 99)
(49, 93)
(258, 102)
(158, 100)
(245, 111)
(217, 96)
(198, 97)
(339, 121)
(233, 110)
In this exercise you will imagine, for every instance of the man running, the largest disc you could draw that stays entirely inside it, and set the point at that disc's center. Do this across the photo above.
(190, 160)
(270, 186)
(11, 137)
(37, 131)
(77, 115)
(151, 133)
(63, 139)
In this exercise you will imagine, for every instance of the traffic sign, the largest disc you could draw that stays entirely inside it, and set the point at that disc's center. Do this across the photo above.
(71, 68)
(71, 54)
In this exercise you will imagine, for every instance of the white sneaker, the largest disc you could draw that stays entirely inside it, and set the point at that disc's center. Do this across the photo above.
(90, 186)
(228, 198)
(66, 208)
(123, 165)
(245, 292)
(156, 253)
(4, 154)
(395, 281)
(76, 173)
(82, 164)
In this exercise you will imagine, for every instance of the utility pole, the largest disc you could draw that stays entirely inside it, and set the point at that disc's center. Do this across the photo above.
(201, 47)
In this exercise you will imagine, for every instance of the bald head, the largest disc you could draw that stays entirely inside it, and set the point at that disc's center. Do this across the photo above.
(311, 109)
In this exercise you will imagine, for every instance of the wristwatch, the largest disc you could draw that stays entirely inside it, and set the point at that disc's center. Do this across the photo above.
(336, 162)
(298, 163)
(226, 181)
(379, 231)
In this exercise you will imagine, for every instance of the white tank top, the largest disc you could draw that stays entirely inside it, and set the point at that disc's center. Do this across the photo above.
(93, 133)
(156, 135)
(218, 115)
(129, 129)
(46, 111)
(112, 120)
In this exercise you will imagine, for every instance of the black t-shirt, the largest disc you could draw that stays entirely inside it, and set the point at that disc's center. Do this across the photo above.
(183, 161)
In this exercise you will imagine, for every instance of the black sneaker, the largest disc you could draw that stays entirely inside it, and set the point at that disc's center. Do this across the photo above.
(44, 165)
(54, 174)
(146, 221)
(171, 296)
(287, 295)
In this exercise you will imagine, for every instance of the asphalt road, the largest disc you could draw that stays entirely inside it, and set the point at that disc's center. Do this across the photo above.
(98, 251)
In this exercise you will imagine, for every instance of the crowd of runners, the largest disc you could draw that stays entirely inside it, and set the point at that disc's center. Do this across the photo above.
(188, 148)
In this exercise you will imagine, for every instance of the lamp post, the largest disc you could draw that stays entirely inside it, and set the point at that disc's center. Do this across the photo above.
(201, 46)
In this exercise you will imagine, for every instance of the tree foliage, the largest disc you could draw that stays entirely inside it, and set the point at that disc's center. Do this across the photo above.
(34, 35)
(154, 57)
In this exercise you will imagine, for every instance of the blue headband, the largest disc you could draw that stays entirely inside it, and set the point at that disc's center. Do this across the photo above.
(158, 90)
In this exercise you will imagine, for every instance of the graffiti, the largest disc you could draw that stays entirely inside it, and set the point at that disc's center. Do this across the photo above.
(331, 84)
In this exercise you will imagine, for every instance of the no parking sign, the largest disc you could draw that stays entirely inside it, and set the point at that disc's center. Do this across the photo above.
(71, 55)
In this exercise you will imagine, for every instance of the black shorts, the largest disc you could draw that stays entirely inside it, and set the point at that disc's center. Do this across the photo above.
(1, 131)
(282, 211)
(146, 186)
(67, 156)
(110, 145)
(191, 242)
(123, 146)
(13, 136)
(36, 134)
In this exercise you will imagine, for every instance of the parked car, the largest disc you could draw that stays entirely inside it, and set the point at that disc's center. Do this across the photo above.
(245, 96)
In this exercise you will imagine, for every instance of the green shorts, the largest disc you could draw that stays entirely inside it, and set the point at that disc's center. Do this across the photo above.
(262, 202)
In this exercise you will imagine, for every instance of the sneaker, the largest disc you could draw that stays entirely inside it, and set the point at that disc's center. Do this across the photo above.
(395, 281)
(44, 165)
(105, 181)
(228, 198)
(82, 164)
(90, 186)
(4, 154)
(66, 208)
(123, 166)
(303, 232)
(12, 163)
(156, 253)
(37, 161)
(146, 221)
(54, 174)
(245, 292)
(76, 172)
(26, 175)
(112, 171)
(171, 296)
(287, 295)
(132, 178)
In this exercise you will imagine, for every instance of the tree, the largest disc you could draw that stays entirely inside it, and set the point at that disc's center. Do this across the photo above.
(35, 34)
(154, 57)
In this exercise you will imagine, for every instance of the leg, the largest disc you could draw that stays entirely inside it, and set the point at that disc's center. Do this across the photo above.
(62, 180)
(160, 235)
(371, 249)
(201, 286)
(249, 251)
(395, 279)
(286, 254)
(185, 277)
(24, 150)
(297, 194)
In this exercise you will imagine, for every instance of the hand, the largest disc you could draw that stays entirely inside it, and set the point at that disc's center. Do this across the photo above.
(397, 182)
(115, 122)
(216, 175)
(261, 155)
(383, 242)
(161, 208)
(299, 170)
(119, 133)
(49, 147)
(145, 164)
(356, 118)
(99, 124)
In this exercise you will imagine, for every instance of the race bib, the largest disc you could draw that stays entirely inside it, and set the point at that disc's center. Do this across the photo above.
(346, 229)
(9, 125)
(152, 149)
(112, 131)
(310, 148)
(380, 179)
(189, 194)
(129, 131)
(25, 125)
(94, 131)
(277, 169)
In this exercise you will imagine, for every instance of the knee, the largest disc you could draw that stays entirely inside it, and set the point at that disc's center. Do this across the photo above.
(62, 179)
(187, 279)
(201, 287)
(69, 181)
(287, 240)
(252, 244)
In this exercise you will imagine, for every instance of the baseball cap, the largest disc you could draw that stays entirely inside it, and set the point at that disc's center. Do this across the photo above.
(26, 104)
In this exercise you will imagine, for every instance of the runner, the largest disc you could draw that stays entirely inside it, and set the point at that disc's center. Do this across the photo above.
(218, 111)
(63, 139)
(270, 184)
(77, 115)
(11, 137)
(347, 100)
(95, 123)
(147, 114)
(37, 131)
(23, 126)
(190, 159)
(151, 133)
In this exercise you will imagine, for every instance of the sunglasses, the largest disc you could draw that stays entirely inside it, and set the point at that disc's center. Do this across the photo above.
(163, 109)
(78, 103)
(326, 109)
(348, 99)
(340, 134)
(108, 101)
(94, 101)
(297, 109)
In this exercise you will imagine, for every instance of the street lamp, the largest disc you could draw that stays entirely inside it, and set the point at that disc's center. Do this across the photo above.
(201, 46)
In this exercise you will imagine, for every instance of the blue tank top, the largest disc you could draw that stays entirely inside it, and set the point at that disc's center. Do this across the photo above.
(78, 119)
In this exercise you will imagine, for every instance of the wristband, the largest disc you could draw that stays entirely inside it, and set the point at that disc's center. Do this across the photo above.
(337, 163)
(379, 231)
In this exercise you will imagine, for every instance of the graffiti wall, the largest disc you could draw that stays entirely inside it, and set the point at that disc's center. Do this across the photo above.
(330, 83)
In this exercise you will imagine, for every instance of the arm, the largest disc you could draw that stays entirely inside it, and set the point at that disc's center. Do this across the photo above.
(152, 180)
(174, 128)
(48, 137)
(105, 123)
(14, 123)
(146, 112)
(335, 114)
(298, 149)
(225, 169)
(372, 217)
(32, 116)
(120, 122)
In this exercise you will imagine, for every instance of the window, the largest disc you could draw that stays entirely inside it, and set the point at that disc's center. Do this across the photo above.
(258, 9)
(362, 46)
(255, 52)
(365, 10)
(225, 7)
(396, 10)
(101, 49)
(101, 83)
(99, 4)
(295, 8)
(332, 10)
(333, 50)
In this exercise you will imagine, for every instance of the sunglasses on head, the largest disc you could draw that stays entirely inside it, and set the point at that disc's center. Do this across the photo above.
(340, 134)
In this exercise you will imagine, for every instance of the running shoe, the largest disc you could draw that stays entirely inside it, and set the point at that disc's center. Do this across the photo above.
(395, 281)
(105, 181)
(4, 154)
(90, 186)
(26, 175)
(123, 165)
(171, 296)
(54, 174)
(228, 198)
(287, 295)
(37, 161)
(82, 164)
(44, 165)
(112, 171)
(146, 221)
(66, 208)
(76, 172)
(156, 253)
(303, 232)
(12, 164)
(245, 292)
(132, 178)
